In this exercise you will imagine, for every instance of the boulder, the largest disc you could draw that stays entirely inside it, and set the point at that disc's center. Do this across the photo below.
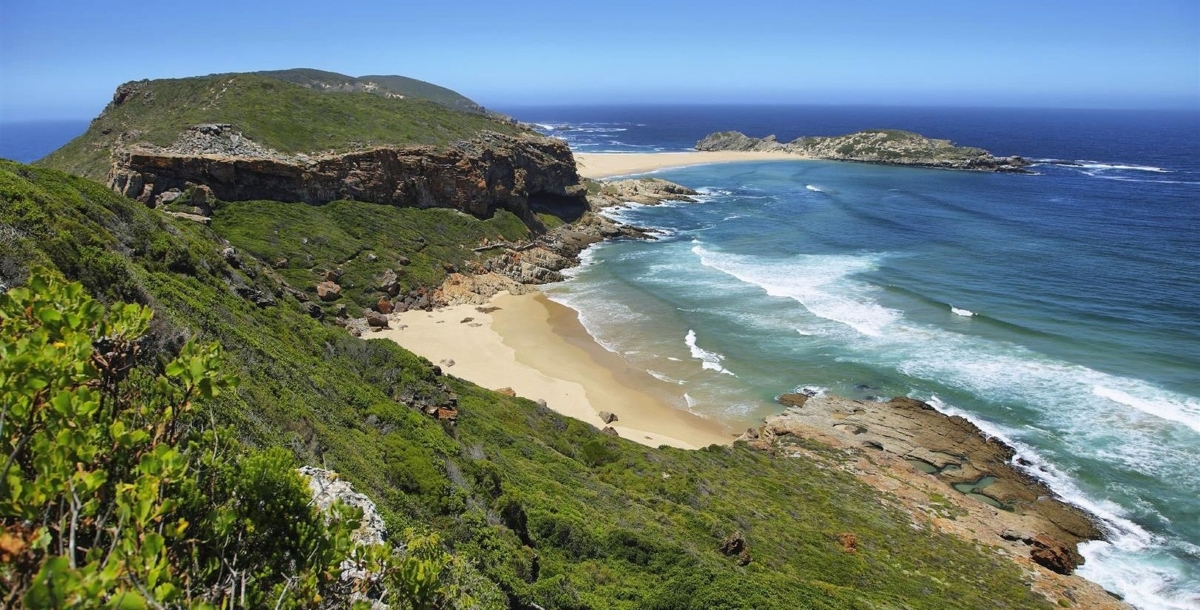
(376, 319)
(403, 260)
(506, 391)
(734, 544)
(609, 430)
(389, 282)
(328, 291)
(1054, 555)
(792, 400)
(384, 306)
(313, 310)
(607, 417)
(327, 489)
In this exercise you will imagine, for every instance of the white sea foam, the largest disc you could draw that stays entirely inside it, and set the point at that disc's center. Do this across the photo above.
(819, 282)
(1093, 165)
(816, 189)
(708, 360)
(961, 312)
(1186, 412)
(664, 377)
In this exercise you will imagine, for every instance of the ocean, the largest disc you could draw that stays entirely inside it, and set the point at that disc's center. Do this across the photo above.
(1059, 311)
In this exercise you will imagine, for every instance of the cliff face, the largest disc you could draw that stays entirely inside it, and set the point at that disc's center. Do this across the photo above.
(476, 176)
(886, 147)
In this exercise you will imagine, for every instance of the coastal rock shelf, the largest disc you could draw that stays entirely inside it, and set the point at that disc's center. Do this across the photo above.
(880, 146)
(907, 435)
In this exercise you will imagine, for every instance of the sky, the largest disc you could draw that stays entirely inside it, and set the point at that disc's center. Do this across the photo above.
(63, 59)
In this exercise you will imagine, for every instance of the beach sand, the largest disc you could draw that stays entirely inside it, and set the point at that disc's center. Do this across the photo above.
(605, 165)
(539, 349)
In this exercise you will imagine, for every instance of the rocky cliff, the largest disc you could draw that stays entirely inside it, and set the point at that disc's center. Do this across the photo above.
(882, 146)
(477, 176)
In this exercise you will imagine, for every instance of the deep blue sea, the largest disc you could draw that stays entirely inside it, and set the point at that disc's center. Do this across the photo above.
(1059, 311)
(30, 141)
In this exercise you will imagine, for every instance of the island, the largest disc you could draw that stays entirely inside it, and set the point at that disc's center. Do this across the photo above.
(879, 146)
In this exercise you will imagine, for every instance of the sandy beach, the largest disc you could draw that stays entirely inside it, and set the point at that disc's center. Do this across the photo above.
(539, 349)
(605, 165)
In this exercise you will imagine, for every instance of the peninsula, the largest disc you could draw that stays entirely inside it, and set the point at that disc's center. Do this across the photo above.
(880, 146)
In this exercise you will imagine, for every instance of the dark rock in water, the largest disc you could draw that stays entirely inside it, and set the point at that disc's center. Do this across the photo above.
(792, 400)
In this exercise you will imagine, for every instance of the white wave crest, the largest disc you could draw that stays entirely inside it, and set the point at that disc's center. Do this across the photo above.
(818, 282)
(1185, 412)
(815, 189)
(708, 360)
(961, 312)
(664, 377)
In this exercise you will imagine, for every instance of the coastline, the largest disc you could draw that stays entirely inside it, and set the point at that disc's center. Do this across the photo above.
(538, 348)
(607, 165)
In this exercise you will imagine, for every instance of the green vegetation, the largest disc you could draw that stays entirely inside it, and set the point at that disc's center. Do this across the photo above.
(115, 494)
(275, 113)
(377, 84)
(530, 506)
(362, 240)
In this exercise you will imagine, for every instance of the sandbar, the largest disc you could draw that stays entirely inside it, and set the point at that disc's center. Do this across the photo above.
(607, 165)
(539, 349)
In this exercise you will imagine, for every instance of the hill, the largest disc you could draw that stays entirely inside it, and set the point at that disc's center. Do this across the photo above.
(288, 112)
(880, 146)
(386, 86)
(538, 510)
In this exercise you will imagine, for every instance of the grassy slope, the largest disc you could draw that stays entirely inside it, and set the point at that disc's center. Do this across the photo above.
(344, 234)
(279, 114)
(409, 87)
(609, 524)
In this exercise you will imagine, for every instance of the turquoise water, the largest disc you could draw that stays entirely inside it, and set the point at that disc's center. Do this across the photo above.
(1046, 308)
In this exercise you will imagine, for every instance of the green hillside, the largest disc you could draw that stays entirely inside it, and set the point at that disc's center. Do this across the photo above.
(276, 113)
(378, 84)
(537, 509)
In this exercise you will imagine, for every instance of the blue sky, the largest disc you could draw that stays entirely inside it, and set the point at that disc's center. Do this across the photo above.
(63, 59)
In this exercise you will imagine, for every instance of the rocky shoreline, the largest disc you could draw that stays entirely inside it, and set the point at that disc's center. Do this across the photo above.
(949, 476)
(876, 146)
(946, 473)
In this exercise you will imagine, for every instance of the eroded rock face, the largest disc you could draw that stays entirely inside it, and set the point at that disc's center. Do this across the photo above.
(477, 176)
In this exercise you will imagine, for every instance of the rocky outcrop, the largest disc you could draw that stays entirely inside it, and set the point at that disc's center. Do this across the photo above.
(646, 191)
(477, 176)
(327, 488)
(880, 146)
(953, 451)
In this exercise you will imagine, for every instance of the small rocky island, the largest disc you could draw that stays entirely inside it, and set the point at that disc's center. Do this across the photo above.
(880, 146)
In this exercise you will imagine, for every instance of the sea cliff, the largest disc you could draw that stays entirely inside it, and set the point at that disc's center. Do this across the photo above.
(880, 146)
